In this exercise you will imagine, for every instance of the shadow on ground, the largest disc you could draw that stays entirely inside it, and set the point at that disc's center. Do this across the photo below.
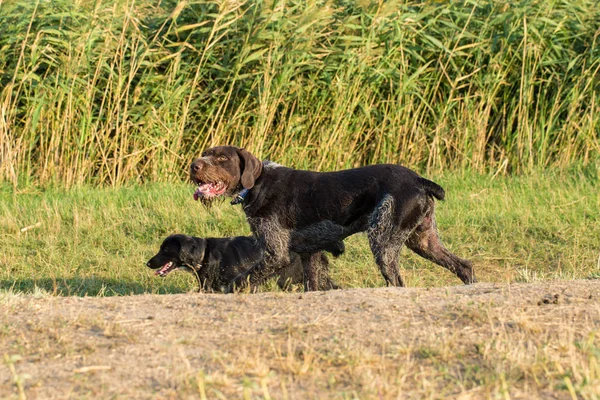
(86, 286)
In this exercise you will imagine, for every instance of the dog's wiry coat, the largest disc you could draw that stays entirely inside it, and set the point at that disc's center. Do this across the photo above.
(305, 212)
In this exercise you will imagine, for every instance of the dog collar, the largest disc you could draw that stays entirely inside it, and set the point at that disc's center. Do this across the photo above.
(240, 197)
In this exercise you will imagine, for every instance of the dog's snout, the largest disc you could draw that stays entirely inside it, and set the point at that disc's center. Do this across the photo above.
(196, 165)
(148, 264)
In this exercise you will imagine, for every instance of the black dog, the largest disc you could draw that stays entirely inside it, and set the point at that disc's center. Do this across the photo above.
(304, 211)
(217, 261)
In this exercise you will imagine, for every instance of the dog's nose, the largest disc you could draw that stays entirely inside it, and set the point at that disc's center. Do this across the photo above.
(148, 264)
(196, 165)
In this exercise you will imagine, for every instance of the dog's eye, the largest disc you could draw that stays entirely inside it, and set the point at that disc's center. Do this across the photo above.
(222, 158)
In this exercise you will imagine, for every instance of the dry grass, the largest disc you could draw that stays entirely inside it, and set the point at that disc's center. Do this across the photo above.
(485, 341)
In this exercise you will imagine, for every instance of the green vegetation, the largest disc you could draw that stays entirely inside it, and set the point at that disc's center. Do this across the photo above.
(120, 93)
(114, 91)
(96, 241)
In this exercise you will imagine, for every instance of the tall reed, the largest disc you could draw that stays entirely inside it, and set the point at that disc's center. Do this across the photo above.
(110, 91)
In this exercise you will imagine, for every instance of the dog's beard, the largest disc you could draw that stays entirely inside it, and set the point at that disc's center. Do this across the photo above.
(210, 197)
(211, 184)
(208, 202)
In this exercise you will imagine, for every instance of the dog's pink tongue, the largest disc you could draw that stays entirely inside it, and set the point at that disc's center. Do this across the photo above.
(201, 191)
(198, 193)
(165, 269)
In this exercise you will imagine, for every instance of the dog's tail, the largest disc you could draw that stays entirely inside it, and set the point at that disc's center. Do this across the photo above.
(433, 189)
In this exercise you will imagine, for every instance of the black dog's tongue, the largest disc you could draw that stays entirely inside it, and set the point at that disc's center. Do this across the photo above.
(165, 269)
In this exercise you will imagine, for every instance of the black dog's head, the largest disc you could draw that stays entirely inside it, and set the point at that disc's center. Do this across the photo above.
(222, 171)
(178, 251)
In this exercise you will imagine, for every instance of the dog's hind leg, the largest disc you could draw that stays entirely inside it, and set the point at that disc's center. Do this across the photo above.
(386, 238)
(425, 241)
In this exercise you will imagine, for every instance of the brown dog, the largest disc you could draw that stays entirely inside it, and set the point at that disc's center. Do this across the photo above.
(304, 211)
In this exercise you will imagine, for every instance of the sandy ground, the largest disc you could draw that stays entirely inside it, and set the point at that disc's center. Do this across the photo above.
(479, 341)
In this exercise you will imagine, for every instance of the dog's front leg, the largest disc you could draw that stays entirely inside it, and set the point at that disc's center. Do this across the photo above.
(316, 272)
(258, 274)
(274, 241)
(311, 265)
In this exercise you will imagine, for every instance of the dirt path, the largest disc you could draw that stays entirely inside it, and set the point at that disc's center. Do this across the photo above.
(521, 340)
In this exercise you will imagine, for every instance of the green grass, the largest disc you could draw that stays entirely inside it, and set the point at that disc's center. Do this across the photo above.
(95, 241)
(111, 91)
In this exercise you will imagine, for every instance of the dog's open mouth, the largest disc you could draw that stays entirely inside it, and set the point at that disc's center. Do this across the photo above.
(168, 267)
(209, 190)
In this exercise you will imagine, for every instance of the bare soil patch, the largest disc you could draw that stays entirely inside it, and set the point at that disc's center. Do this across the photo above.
(486, 340)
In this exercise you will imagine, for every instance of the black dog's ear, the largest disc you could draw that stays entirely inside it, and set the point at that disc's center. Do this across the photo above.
(192, 252)
(251, 169)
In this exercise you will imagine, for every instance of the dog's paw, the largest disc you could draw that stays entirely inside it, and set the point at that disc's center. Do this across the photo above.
(229, 288)
(337, 249)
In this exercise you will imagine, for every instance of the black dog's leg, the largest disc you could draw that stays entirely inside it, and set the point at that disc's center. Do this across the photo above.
(291, 274)
(336, 249)
(201, 286)
(275, 242)
(425, 241)
(325, 281)
(316, 272)
(313, 271)
(259, 273)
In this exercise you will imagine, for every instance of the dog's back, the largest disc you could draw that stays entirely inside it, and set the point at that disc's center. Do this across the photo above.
(340, 196)
(237, 254)
(228, 257)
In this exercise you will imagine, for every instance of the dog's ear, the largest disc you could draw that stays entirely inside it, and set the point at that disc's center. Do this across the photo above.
(192, 253)
(251, 169)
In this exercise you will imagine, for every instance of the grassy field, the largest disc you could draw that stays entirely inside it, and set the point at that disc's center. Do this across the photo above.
(95, 241)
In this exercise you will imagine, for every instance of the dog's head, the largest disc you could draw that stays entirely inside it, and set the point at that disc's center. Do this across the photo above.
(178, 251)
(224, 171)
